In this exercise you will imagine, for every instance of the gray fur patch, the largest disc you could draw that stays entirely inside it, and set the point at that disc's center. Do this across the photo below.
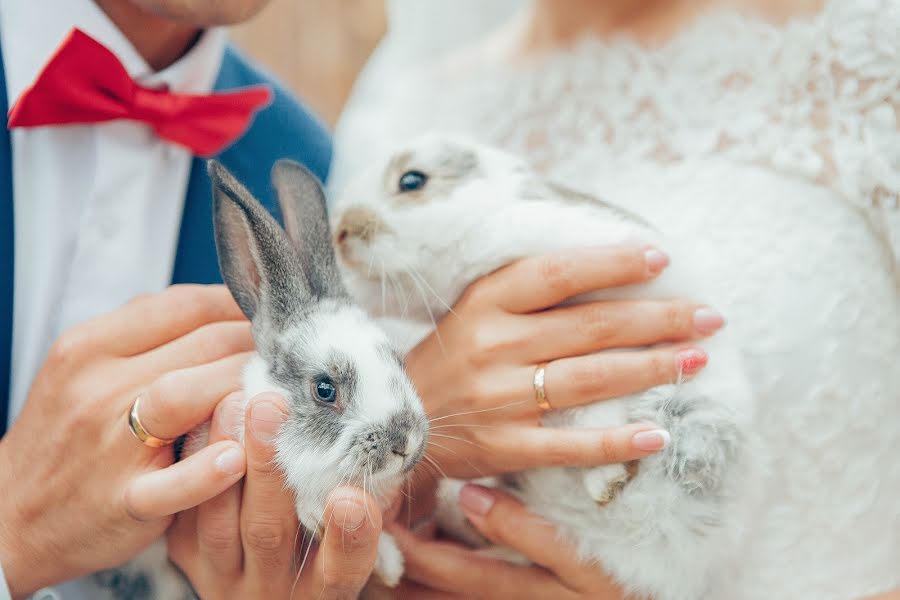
(445, 170)
(550, 190)
(125, 586)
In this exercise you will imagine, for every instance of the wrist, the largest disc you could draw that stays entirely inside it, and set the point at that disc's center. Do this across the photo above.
(17, 559)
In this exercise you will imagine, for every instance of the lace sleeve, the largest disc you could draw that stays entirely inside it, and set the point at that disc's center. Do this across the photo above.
(861, 53)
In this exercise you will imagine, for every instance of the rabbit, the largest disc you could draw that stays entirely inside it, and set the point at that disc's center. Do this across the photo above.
(354, 416)
(418, 226)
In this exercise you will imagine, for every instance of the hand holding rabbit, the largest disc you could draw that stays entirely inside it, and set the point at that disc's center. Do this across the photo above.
(474, 372)
(80, 493)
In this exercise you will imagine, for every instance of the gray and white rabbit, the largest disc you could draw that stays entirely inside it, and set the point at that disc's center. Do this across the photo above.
(354, 417)
(418, 227)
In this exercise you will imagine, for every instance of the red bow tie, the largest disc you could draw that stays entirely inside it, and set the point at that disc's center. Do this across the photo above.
(85, 83)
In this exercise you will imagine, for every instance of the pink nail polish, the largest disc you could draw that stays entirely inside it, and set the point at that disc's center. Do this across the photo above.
(707, 320)
(691, 360)
(476, 499)
(651, 441)
(656, 260)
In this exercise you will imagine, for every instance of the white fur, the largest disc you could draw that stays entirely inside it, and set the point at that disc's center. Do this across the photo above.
(658, 538)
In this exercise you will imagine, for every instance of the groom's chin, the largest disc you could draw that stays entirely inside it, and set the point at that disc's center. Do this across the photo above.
(203, 13)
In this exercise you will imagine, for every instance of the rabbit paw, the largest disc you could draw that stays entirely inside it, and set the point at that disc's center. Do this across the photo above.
(604, 483)
(389, 562)
(706, 441)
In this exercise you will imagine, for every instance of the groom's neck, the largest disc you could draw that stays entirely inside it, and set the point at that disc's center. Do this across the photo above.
(158, 40)
(555, 23)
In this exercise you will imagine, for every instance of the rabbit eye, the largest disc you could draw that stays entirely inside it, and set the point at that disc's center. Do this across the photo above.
(324, 390)
(412, 181)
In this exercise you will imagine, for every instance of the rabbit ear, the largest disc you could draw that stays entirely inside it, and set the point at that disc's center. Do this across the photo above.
(303, 206)
(258, 263)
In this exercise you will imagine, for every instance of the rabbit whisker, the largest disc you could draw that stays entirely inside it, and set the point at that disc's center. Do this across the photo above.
(459, 439)
(462, 425)
(472, 412)
(469, 462)
(416, 275)
(433, 463)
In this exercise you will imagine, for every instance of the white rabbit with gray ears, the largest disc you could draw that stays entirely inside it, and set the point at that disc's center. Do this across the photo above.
(354, 417)
(418, 227)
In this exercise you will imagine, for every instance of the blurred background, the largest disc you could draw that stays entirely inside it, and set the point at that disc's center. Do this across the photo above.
(316, 47)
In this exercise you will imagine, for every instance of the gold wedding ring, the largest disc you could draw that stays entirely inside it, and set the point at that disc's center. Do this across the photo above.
(137, 428)
(540, 394)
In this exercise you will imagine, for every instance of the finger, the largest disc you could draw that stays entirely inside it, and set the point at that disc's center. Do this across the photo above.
(453, 569)
(409, 590)
(203, 345)
(152, 320)
(506, 522)
(218, 519)
(520, 448)
(178, 401)
(181, 540)
(268, 516)
(184, 484)
(347, 555)
(583, 380)
(540, 282)
(587, 328)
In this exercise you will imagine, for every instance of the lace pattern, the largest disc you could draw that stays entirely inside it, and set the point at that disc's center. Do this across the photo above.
(817, 98)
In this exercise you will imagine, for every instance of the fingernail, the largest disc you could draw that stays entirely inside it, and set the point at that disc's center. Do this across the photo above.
(656, 261)
(476, 499)
(348, 514)
(265, 420)
(230, 462)
(228, 414)
(651, 441)
(707, 320)
(691, 360)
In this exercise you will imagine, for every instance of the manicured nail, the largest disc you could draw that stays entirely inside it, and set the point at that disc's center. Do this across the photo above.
(265, 420)
(691, 360)
(476, 499)
(656, 261)
(231, 461)
(229, 414)
(651, 441)
(348, 514)
(707, 320)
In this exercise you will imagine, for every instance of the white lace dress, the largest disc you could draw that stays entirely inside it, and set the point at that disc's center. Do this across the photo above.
(774, 152)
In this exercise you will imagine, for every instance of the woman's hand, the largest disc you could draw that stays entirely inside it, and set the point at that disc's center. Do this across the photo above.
(475, 372)
(246, 543)
(80, 492)
(439, 569)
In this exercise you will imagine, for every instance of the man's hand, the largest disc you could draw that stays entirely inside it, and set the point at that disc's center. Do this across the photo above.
(80, 493)
(247, 543)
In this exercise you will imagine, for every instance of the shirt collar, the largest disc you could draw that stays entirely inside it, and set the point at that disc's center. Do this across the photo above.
(32, 31)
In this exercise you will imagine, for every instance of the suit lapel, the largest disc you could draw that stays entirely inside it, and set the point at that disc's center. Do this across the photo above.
(7, 259)
(273, 134)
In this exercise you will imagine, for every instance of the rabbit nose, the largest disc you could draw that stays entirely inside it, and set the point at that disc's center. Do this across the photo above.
(401, 447)
(357, 222)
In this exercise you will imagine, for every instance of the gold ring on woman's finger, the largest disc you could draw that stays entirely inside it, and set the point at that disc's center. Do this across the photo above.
(540, 394)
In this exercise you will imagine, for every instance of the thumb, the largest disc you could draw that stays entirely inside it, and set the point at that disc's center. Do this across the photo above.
(347, 554)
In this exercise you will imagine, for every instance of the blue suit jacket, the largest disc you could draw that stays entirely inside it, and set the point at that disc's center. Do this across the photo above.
(282, 130)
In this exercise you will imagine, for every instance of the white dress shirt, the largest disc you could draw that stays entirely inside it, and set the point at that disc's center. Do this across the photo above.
(97, 207)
